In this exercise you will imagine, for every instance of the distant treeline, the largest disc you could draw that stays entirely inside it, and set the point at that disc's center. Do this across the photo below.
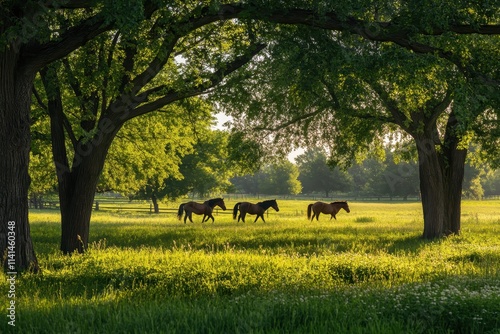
(371, 178)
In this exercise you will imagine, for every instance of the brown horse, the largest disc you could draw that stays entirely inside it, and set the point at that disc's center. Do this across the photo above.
(326, 208)
(204, 209)
(254, 209)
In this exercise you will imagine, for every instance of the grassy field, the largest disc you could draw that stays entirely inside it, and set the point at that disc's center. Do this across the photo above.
(366, 272)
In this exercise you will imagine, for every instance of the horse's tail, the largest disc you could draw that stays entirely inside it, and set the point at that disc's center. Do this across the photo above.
(235, 209)
(181, 210)
(309, 207)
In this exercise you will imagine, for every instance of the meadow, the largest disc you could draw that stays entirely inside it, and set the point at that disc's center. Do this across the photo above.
(369, 271)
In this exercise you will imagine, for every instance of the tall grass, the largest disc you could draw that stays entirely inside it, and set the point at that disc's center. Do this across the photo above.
(368, 271)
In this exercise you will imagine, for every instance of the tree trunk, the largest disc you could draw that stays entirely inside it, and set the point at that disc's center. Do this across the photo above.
(454, 169)
(77, 193)
(76, 184)
(15, 237)
(454, 174)
(76, 208)
(431, 188)
(155, 203)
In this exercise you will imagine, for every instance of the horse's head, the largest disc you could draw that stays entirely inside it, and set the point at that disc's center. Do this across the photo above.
(221, 203)
(216, 201)
(274, 205)
(345, 206)
(342, 205)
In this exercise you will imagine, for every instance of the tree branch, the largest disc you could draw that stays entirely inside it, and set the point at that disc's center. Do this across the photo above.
(173, 95)
(292, 121)
(185, 25)
(109, 61)
(354, 112)
(35, 55)
(39, 99)
(398, 117)
(440, 107)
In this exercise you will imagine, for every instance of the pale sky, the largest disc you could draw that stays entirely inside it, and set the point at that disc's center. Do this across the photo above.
(222, 118)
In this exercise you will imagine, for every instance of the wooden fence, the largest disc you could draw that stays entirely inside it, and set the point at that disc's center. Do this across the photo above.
(117, 205)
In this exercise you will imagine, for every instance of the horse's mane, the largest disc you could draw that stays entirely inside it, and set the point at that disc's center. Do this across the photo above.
(211, 202)
(265, 202)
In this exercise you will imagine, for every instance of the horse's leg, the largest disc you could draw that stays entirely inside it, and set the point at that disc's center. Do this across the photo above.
(185, 217)
(210, 216)
(242, 215)
(334, 214)
(191, 216)
(261, 216)
(204, 217)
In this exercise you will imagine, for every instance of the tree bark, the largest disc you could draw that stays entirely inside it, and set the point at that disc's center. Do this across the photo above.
(76, 193)
(431, 188)
(155, 203)
(441, 179)
(454, 176)
(453, 171)
(15, 93)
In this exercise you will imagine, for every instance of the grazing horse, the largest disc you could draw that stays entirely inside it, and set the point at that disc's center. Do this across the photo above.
(254, 209)
(326, 208)
(204, 209)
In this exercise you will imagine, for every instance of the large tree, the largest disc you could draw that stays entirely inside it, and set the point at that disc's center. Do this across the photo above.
(26, 45)
(34, 34)
(137, 73)
(349, 94)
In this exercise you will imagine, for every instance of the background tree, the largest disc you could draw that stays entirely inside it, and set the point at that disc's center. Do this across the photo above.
(368, 177)
(249, 183)
(400, 178)
(43, 180)
(245, 154)
(316, 176)
(280, 178)
(491, 183)
(205, 169)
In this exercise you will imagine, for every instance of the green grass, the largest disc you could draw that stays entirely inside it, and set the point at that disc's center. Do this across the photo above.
(366, 272)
